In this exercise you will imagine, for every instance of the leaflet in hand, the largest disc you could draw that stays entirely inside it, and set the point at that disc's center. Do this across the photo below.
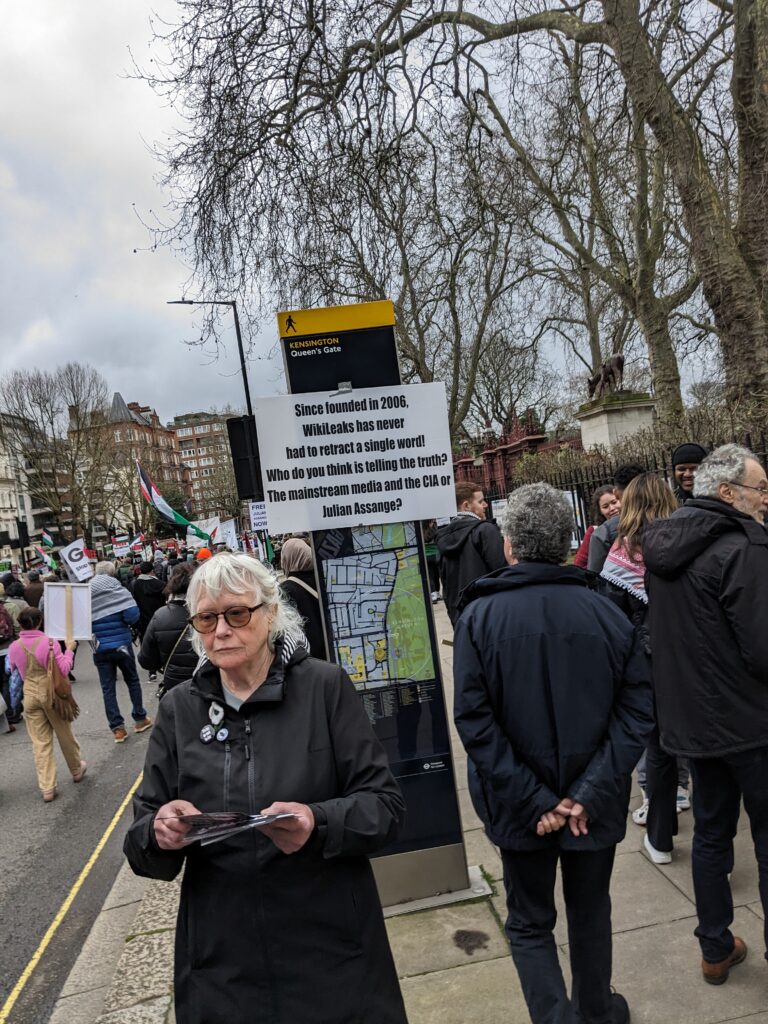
(211, 827)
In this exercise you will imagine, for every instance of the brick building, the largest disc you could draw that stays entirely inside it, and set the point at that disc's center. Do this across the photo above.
(203, 445)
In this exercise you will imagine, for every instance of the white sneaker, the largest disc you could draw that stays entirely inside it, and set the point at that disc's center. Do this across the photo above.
(683, 800)
(657, 856)
(640, 816)
(435, 597)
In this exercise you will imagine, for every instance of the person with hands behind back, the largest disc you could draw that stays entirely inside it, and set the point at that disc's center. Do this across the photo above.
(553, 706)
(281, 924)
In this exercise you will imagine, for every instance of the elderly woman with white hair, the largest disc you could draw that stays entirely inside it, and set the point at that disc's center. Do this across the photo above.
(280, 925)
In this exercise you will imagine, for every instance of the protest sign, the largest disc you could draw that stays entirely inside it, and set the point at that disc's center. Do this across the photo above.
(68, 611)
(75, 558)
(227, 534)
(357, 458)
(258, 510)
(209, 526)
(121, 545)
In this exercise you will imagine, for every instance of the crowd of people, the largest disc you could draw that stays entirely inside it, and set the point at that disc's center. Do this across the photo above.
(649, 642)
(643, 651)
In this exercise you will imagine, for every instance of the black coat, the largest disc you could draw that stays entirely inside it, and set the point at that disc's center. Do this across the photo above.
(160, 642)
(148, 595)
(263, 937)
(468, 548)
(552, 700)
(309, 609)
(708, 618)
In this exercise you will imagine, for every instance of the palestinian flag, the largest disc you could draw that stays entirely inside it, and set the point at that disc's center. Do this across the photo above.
(137, 543)
(155, 498)
(47, 539)
(49, 561)
(268, 547)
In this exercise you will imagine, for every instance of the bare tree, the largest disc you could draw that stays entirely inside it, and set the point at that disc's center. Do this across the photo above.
(55, 425)
(262, 87)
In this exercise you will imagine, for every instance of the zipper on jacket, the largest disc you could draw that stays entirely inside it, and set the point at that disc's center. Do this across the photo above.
(227, 772)
(251, 770)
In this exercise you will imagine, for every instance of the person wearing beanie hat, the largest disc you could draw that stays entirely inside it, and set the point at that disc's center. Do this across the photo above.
(686, 459)
(203, 554)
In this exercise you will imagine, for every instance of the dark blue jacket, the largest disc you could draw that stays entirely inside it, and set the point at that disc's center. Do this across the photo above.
(552, 700)
(114, 631)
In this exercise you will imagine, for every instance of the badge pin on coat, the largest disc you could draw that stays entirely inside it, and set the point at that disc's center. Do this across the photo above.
(216, 714)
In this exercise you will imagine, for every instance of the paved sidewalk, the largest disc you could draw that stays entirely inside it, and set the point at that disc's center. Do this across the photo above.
(453, 961)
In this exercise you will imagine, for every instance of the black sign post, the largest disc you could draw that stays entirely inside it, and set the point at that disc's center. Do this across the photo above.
(377, 614)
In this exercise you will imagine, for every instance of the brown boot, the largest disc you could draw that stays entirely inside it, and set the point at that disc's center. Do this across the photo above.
(716, 974)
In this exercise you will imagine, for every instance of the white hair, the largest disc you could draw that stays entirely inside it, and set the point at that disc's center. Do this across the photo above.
(726, 464)
(232, 573)
(105, 568)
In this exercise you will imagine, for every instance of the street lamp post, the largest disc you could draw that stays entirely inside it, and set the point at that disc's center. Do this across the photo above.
(233, 305)
(242, 430)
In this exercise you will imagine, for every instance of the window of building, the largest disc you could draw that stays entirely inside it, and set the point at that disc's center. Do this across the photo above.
(184, 432)
(118, 436)
(206, 462)
(203, 428)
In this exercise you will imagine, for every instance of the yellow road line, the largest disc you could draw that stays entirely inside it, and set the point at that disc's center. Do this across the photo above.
(26, 974)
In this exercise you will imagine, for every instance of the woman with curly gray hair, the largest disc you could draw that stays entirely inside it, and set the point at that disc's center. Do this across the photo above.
(553, 706)
(282, 924)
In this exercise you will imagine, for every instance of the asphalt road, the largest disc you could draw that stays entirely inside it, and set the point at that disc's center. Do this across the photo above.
(44, 847)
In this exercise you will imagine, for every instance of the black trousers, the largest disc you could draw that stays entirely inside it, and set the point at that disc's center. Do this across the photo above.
(661, 791)
(529, 880)
(719, 783)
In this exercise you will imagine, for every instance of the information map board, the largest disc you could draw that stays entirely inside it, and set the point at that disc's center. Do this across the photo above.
(372, 583)
(374, 591)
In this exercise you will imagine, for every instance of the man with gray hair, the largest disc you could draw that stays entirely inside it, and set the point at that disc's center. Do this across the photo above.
(708, 610)
(553, 705)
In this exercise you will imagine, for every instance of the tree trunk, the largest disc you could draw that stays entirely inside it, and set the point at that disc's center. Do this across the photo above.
(732, 292)
(653, 319)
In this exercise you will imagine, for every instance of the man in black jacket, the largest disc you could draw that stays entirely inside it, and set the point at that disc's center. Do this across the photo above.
(468, 547)
(708, 609)
(553, 706)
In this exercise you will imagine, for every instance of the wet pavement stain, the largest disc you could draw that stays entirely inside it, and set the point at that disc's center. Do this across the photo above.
(470, 941)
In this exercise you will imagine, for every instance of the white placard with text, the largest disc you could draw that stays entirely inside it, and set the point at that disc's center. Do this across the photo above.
(357, 458)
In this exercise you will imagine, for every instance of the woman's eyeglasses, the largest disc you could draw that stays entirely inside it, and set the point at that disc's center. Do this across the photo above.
(237, 617)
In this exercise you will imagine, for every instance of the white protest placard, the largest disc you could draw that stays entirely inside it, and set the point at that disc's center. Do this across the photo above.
(359, 458)
(497, 507)
(121, 545)
(68, 611)
(258, 510)
(209, 526)
(227, 534)
(76, 560)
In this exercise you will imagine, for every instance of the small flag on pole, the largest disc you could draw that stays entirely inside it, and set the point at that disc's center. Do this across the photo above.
(49, 561)
(47, 539)
(155, 498)
(137, 543)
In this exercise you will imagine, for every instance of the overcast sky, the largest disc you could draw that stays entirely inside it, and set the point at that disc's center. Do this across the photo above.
(74, 159)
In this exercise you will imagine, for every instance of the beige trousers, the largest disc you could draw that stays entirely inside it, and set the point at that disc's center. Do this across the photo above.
(42, 722)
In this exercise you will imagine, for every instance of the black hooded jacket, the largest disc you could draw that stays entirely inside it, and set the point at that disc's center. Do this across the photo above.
(264, 937)
(707, 571)
(468, 548)
(167, 645)
(552, 700)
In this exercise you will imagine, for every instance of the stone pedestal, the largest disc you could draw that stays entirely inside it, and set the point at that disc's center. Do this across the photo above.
(607, 421)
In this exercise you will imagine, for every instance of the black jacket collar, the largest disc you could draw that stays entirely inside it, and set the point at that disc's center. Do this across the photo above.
(206, 682)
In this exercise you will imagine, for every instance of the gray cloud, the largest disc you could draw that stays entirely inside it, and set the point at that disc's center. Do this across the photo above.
(74, 168)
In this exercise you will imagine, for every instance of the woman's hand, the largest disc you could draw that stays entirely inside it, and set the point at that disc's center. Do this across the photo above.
(71, 645)
(290, 834)
(169, 832)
